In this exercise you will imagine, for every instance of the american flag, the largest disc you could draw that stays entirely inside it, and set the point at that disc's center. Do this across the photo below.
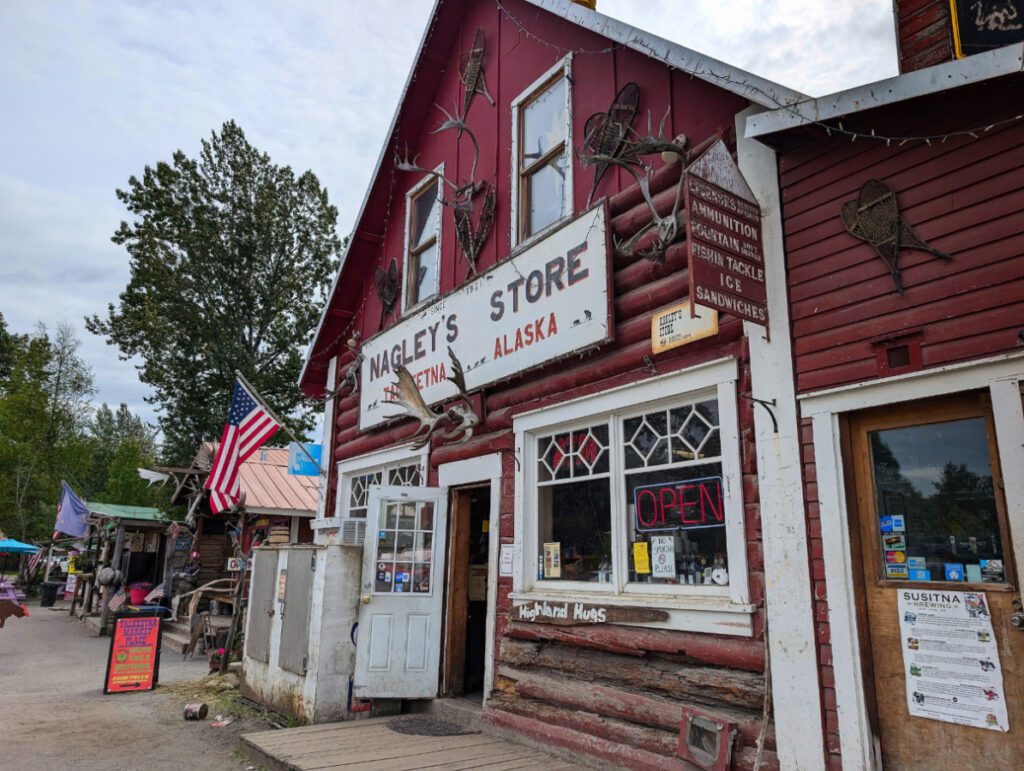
(156, 594)
(117, 600)
(249, 426)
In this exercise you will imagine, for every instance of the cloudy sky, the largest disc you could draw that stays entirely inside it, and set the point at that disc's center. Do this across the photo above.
(91, 92)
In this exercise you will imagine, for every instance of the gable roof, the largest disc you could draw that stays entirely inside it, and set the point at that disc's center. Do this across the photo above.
(440, 33)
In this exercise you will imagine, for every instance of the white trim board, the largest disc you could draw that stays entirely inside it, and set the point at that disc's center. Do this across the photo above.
(484, 468)
(789, 604)
(912, 85)
(1001, 376)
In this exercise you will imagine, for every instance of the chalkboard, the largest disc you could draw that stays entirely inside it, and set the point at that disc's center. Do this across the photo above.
(981, 25)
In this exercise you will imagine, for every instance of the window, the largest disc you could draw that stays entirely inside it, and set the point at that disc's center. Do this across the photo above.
(541, 153)
(632, 492)
(936, 495)
(423, 242)
(405, 547)
(669, 474)
(406, 475)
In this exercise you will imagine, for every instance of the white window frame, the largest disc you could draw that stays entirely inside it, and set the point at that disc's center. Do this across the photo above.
(717, 379)
(564, 66)
(415, 192)
(367, 464)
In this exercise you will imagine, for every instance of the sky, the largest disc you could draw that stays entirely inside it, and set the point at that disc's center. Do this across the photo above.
(92, 92)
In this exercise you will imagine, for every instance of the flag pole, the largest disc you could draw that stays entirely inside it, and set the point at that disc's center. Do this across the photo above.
(256, 395)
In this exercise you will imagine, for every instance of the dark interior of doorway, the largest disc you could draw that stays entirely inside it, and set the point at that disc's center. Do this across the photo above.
(467, 592)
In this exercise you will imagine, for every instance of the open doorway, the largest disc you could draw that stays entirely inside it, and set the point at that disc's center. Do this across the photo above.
(466, 593)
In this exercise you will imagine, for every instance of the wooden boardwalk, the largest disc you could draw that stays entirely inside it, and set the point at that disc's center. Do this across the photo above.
(373, 746)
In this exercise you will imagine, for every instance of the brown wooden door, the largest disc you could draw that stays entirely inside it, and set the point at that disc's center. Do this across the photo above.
(931, 518)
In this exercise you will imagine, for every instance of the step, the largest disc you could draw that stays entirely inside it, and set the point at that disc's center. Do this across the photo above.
(175, 641)
(462, 712)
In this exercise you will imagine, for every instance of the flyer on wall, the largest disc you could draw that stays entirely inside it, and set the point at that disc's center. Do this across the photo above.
(950, 658)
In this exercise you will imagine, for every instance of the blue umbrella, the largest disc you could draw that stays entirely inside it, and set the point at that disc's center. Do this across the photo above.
(10, 546)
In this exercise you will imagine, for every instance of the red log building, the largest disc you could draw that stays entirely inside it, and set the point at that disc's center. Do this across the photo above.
(587, 560)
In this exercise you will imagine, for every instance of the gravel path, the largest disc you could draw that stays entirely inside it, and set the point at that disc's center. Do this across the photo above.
(54, 715)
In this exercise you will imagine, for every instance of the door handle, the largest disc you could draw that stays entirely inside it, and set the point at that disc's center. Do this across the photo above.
(366, 599)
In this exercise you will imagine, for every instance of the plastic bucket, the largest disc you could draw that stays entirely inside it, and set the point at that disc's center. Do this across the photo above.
(138, 595)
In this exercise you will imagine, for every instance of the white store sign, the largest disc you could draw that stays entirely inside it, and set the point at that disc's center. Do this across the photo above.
(548, 301)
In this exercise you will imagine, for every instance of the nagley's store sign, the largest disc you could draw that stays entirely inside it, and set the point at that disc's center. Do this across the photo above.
(550, 300)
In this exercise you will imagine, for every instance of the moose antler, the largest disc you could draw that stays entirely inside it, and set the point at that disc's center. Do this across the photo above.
(630, 158)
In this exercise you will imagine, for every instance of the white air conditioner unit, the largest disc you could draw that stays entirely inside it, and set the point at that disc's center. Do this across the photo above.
(352, 533)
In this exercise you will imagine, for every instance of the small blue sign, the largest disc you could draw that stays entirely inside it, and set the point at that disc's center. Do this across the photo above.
(299, 464)
(954, 571)
(917, 574)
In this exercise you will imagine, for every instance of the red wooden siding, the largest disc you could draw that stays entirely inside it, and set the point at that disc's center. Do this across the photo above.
(611, 691)
(964, 196)
(924, 33)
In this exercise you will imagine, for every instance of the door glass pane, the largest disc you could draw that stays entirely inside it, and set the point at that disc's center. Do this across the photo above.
(405, 547)
(936, 503)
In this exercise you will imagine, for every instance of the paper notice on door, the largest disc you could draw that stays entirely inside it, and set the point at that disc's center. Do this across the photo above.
(950, 658)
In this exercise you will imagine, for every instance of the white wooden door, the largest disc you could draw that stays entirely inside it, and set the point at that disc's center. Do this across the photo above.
(398, 648)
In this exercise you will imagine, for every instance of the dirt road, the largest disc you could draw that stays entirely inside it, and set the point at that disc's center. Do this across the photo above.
(53, 714)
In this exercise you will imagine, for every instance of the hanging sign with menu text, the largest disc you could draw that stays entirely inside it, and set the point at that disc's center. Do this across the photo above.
(723, 237)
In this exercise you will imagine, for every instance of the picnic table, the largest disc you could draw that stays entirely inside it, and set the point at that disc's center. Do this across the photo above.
(8, 591)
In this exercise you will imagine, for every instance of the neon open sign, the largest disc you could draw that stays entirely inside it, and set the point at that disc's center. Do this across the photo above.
(687, 505)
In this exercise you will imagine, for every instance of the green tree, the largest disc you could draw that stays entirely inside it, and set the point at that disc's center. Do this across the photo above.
(230, 256)
(43, 409)
(109, 431)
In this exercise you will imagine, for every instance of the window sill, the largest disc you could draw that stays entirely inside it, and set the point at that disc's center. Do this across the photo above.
(713, 614)
(525, 243)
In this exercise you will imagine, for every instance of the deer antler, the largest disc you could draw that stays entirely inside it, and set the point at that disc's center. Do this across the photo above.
(454, 121)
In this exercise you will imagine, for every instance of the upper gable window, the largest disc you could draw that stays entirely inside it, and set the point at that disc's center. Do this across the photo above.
(542, 117)
(422, 242)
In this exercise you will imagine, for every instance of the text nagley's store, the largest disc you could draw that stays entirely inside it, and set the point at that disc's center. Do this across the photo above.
(546, 456)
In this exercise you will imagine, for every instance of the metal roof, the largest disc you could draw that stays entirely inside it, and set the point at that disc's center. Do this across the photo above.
(270, 489)
(758, 90)
(120, 511)
(911, 85)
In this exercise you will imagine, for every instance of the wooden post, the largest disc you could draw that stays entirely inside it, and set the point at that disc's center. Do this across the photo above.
(236, 618)
(115, 561)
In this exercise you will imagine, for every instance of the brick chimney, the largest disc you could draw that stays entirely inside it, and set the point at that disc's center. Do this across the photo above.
(930, 32)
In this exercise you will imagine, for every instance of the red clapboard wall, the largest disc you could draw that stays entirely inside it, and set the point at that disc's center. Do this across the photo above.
(964, 196)
(611, 691)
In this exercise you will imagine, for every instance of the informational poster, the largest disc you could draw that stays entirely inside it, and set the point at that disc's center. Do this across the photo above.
(553, 559)
(133, 663)
(950, 659)
(641, 557)
(505, 561)
(663, 556)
